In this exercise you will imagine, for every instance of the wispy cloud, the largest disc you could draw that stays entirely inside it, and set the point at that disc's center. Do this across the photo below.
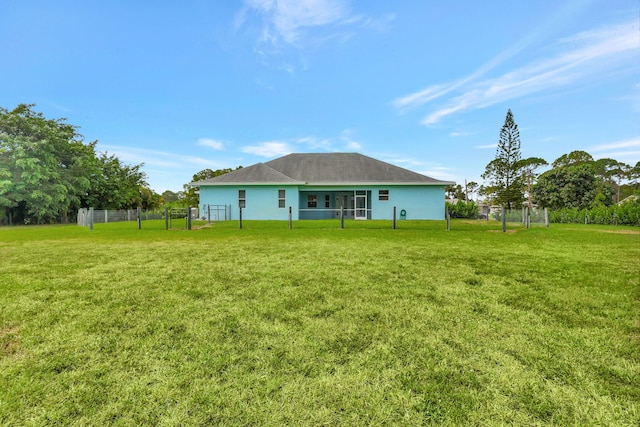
(155, 158)
(348, 140)
(344, 142)
(285, 21)
(582, 57)
(268, 149)
(627, 151)
(459, 134)
(211, 143)
(314, 143)
(627, 143)
(486, 147)
(279, 25)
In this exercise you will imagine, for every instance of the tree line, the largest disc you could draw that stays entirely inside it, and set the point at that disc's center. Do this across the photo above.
(47, 171)
(574, 181)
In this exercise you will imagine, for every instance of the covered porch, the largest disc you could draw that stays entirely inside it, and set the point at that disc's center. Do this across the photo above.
(327, 204)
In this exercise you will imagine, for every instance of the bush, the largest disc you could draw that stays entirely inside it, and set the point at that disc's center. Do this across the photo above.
(463, 209)
(627, 213)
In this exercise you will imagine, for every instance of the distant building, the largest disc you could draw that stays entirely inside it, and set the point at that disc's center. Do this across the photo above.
(320, 185)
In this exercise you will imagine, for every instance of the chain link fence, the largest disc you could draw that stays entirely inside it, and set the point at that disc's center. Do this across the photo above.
(87, 217)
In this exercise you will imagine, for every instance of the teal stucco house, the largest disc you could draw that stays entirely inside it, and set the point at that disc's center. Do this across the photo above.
(322, 186)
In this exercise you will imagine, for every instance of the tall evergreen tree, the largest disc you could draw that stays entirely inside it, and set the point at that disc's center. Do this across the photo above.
(503, 173)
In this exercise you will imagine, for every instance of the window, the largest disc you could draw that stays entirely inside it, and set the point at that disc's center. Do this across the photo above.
(281, 199)
(312, 201)
(327, 201)
(242, 199)
(383, 194)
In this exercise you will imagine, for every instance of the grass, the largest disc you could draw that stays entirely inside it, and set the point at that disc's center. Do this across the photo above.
(320, 326)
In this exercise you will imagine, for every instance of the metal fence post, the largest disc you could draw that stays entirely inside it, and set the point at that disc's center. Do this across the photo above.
(208, 214)
(394, 217)
(546, 217)
(189, 218)
(90, 218)
(139, 217)
(166, 218)
(504, 220)
(341, 216)
(448, 220)
(290, 219)
(240, 221)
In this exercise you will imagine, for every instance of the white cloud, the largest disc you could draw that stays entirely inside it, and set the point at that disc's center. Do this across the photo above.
(349, 143)
(484, 147)
(314, 143)
(286, 20)
(627, 143)
(585, 56)
(459, 134)
(439, 172)
(155, 158)
(353, 145)
(626, 151)
(211, 143)
(268, 149)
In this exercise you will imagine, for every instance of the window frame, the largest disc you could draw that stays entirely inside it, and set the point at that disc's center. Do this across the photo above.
(383, 195)
(312, 201)
(282, 199)
(242, 199)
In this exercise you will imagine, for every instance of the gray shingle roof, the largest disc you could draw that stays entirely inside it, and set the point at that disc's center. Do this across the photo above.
(322, 168)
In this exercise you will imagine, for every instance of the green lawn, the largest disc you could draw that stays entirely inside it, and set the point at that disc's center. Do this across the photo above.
(320, 326)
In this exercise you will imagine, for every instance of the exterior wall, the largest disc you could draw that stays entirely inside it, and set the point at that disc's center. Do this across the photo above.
(261, 201)
(426, 202)
(419, 202)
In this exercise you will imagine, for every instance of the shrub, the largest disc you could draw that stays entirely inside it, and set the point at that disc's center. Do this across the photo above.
(627, 213)
(463, 209)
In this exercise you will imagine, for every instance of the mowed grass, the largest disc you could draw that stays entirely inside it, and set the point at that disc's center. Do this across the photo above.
(320, 326)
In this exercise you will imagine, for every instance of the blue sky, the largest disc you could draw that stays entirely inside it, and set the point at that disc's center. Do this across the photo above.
(184, 86)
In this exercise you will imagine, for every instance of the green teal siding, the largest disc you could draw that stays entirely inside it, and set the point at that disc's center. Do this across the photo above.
(261, 201)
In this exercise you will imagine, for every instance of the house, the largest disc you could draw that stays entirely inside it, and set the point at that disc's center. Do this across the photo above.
(321, 186)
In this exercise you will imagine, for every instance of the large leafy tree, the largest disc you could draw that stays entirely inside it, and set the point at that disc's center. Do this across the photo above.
(574, 158)
(47, 171)
(116, 185)
(575, 181)
(503, 173)
(45, 166)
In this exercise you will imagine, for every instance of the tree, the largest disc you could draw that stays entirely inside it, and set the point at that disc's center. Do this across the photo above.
(47, 171)
(572, 183)
(503, 174)
(472, 187)
(455, 192)
(528, 168)
(573, 158)
(612, 172)
(115, 185)
(45, 165)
